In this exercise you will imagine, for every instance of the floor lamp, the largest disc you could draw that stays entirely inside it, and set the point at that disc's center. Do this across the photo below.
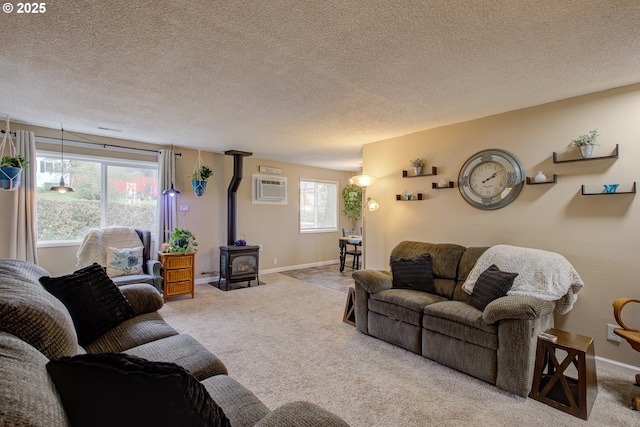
(364, 181)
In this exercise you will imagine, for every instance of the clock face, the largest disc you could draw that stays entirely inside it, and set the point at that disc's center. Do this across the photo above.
(488, 179)
(491, 179)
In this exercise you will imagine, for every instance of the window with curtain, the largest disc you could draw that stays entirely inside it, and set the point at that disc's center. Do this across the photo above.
(108, 192)
(318, 206)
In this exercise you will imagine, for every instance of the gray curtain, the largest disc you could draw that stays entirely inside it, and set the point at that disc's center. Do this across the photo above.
(23, 244)
(167, 205)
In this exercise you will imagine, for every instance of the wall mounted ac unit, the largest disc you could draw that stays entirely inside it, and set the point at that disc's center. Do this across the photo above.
(269, 189)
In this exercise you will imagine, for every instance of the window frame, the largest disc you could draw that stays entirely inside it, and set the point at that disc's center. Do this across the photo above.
(333, 229)
(104, 162)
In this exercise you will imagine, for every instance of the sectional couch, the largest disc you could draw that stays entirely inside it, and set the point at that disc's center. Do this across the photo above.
(496, 345)
(35, 327)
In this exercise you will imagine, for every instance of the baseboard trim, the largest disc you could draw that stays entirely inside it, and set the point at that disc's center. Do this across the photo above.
(206, 280)
(616, 366)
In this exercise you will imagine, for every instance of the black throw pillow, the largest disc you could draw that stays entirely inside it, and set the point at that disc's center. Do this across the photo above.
(413, 273)
(95, 303)
(491, 284)
(111, 389)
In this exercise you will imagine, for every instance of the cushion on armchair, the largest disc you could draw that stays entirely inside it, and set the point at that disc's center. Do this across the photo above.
(95, 303)
(111, 389)
(123, 262)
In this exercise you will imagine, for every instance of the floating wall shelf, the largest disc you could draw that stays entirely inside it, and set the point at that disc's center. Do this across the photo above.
(434, 171)
(612, 156)
(434, 185)
(400, 198)
(602, 193)
(553, 180)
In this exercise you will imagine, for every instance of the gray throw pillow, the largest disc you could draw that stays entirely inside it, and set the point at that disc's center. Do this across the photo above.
(95, 303)
(115, 389)
(413, 273)
(491, 285)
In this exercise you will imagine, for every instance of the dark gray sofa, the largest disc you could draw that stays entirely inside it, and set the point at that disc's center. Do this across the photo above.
(35, 327)
(496, 345)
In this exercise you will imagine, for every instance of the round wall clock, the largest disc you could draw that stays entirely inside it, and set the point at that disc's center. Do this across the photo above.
(491, 179)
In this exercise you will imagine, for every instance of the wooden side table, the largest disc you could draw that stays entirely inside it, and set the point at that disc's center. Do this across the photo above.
(574, 396)
(178, 274)
(349, 309)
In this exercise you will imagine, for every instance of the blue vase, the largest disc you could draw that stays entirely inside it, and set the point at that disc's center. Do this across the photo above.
(10, 178)
(199, 187)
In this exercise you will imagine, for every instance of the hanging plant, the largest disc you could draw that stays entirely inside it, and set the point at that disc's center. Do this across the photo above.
(201, 173)
(352, 195)
(10, 166)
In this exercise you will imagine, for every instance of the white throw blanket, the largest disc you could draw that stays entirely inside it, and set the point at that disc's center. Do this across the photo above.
(541, 274)
(95, 244)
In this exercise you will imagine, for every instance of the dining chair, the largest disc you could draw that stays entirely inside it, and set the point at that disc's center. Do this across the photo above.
(355, 252)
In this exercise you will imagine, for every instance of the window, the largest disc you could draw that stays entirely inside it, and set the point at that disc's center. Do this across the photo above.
(318, 206)
(108, 192)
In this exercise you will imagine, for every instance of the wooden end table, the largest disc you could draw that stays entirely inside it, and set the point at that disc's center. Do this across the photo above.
(349, 309)
(574, 396)
(177, 274)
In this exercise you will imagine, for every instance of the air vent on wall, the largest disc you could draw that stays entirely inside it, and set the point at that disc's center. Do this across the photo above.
(269, 189)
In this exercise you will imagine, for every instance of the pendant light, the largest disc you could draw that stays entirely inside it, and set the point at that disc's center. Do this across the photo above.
(62, 188)
(171, 192)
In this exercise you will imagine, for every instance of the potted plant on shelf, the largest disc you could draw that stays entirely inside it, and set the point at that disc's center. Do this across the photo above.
(182, 242)
(199, 179)
(586, 143)
(10, 169)
(417, 165)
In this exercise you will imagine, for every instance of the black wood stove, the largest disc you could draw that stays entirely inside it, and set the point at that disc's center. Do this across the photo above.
(238, 263)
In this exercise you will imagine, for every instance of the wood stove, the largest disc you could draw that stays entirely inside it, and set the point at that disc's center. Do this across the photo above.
(238, 264)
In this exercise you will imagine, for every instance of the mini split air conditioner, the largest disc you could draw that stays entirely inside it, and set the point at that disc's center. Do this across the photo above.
(269, 189)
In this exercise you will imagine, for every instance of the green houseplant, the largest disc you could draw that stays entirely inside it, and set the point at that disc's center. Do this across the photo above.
(182, 242)
(352, 195)
(199, 179)
(14, 162)
(586, 143)
(417, 165)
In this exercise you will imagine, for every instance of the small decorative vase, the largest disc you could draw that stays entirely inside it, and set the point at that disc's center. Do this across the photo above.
(417, 170)
(540, 177)
(610, 188)
(408, 196)
(587, 151)
(442, 183)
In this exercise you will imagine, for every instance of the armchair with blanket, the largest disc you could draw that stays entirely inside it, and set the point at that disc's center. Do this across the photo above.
(125, 252)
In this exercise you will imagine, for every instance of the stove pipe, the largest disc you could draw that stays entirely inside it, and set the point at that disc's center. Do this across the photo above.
(232, 193)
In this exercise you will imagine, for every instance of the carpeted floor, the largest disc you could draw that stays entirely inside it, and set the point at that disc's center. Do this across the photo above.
(286, 341)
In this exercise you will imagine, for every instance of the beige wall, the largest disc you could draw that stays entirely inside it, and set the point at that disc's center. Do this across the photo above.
(275, 227)
(599, 235)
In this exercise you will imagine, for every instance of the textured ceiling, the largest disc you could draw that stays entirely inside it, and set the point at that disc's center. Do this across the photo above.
(304, 81)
